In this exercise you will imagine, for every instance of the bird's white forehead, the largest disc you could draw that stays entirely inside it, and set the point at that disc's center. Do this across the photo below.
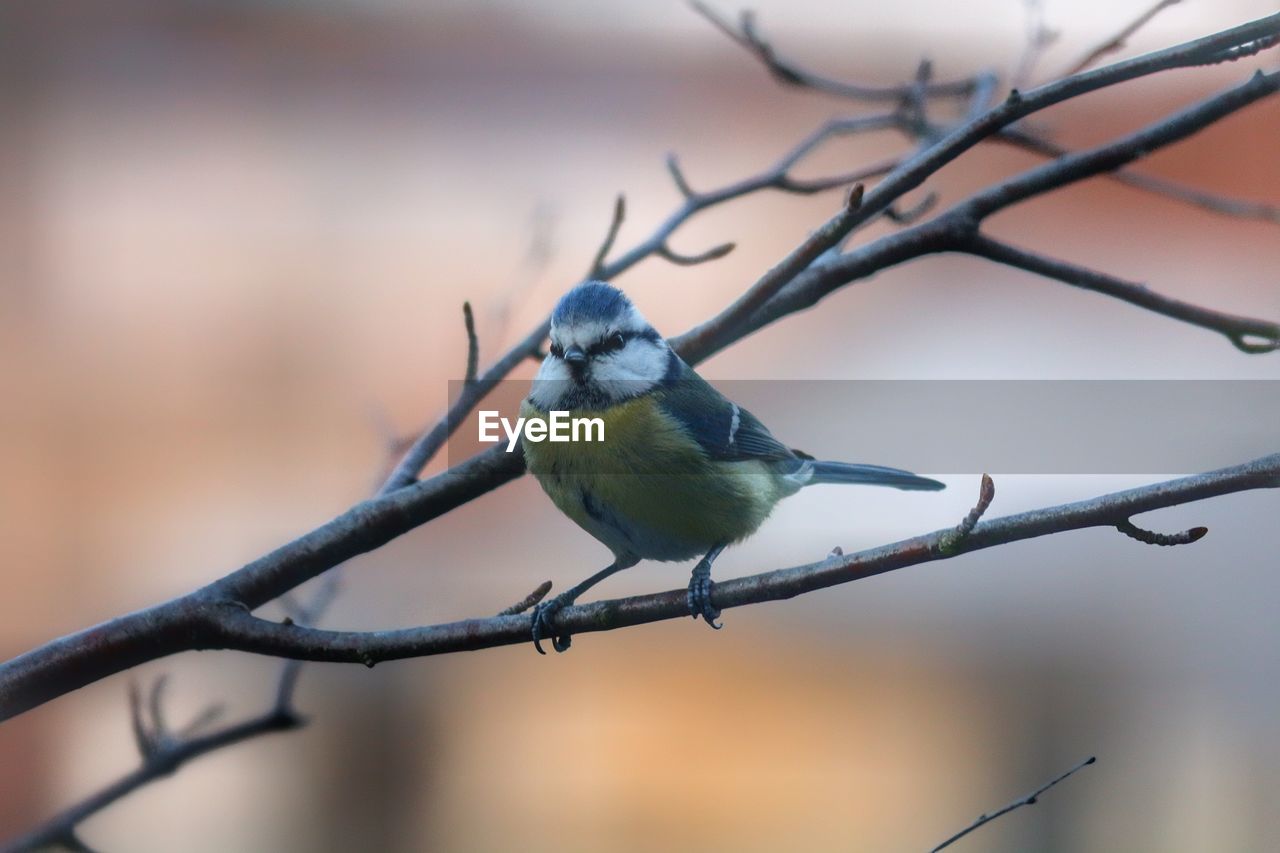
(584, 333)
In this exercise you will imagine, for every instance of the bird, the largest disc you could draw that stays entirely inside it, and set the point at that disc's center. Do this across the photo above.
(680, 471)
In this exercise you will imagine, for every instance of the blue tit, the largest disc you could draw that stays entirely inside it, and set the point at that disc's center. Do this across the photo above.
(679, 472)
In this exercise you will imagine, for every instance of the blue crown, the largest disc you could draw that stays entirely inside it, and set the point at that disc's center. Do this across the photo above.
(591, 300)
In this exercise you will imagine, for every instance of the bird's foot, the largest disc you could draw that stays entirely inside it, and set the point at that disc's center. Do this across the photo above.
(544, 615)
(700, 594)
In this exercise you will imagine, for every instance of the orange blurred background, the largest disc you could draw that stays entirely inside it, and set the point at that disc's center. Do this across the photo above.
(234, 243)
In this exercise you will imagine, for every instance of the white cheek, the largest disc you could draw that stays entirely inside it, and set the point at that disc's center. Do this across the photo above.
(634, 370)
(549, 383)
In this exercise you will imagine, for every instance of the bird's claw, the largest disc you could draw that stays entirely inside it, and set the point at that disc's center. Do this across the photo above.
(700, 595)
(543, 617)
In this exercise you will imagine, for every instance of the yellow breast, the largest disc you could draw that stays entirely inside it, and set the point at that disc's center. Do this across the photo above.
(648, 488)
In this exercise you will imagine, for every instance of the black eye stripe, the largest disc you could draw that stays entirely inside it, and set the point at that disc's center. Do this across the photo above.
(612, 343)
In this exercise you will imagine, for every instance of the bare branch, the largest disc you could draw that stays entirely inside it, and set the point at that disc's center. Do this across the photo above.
(919, 168)
(162, 762)
(1022, 138)
(909, 119)
(1243, 51)
(736, 315)
(935, 235)
(1117, 42)
(785, 72)
(956, 230)
(1199, 198)
(236, 629)
(1126, 149)
(1245, 333)
(162, 752)
(1027, 800)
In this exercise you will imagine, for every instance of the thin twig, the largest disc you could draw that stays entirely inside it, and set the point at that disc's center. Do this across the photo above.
(1249, 335)
(986, 494)
(1118, 40)
(473, 344)
(615, 225)
(679, 259)
(1027, 800)
(141, 731)
(810, 186)
(678, 178)
(528, 601)
(1039, 38)
(1150, 537)
(911, 214)
(747, 36)
(1238, 208)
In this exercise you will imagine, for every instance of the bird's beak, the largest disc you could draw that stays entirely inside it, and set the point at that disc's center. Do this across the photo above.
(575, 357)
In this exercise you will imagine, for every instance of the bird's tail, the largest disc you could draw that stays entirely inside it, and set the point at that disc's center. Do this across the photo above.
(871, 475)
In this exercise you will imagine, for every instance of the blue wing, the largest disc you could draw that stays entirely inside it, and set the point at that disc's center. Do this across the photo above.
(724, 430)
(728, 432)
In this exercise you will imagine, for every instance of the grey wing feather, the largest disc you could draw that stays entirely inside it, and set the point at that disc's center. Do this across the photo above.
(723, 429)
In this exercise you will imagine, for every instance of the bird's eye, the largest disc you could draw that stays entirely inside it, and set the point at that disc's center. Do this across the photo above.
(614, 342)
(557, 350)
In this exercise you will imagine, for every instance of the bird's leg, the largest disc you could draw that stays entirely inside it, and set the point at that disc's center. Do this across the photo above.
(545, 613)
(700, 589)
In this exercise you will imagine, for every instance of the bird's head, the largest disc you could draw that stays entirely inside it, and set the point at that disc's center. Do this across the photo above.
(602, 351)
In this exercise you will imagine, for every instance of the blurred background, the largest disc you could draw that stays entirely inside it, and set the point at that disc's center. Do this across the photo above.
(234, 243)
